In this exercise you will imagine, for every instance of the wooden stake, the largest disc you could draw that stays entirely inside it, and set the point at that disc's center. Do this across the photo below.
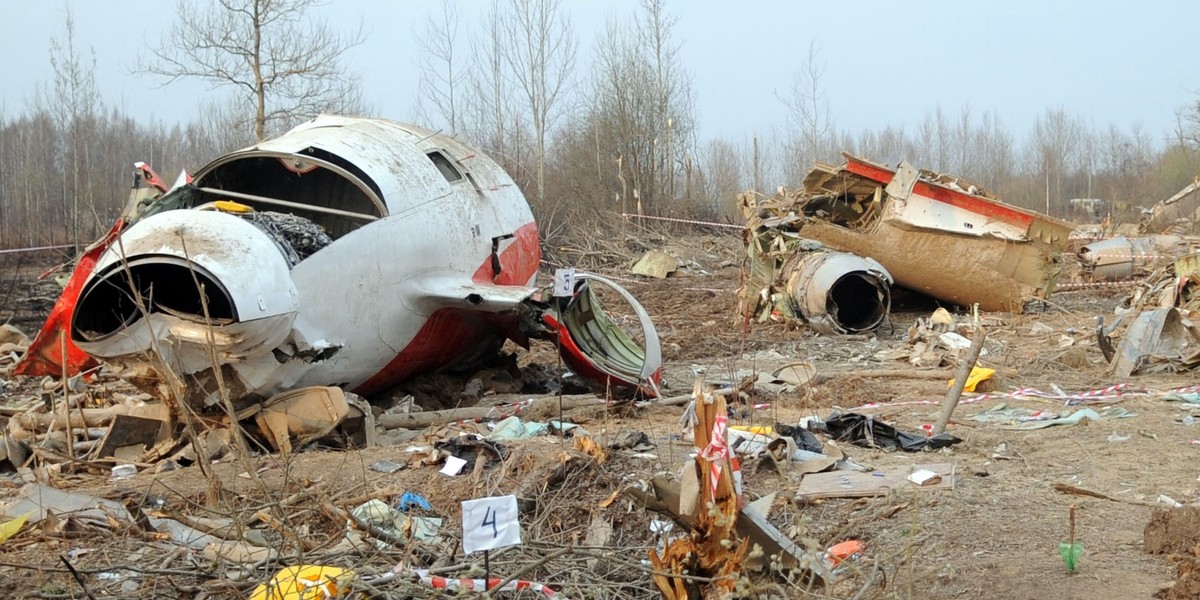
(66, 399)
(1071, 529)
(960, 380)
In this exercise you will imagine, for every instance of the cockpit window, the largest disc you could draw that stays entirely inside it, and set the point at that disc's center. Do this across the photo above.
(445, 166)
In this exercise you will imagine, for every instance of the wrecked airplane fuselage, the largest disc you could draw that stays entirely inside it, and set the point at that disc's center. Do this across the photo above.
(934, 234)
(1119, 258)
(348, 252)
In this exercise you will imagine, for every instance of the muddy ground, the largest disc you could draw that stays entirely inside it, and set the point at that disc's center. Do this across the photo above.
(995, 535)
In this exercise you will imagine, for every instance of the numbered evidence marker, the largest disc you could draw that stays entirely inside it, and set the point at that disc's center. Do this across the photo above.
(490, 523)
(564, 283)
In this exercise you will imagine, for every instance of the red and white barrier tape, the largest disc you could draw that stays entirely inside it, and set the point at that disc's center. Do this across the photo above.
(37, 249)
(717, 451)
(684, 221)
(445, 583)
(1066, 287)
(1113, 391)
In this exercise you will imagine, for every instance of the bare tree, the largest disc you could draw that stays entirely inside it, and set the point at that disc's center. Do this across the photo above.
(285, 64)
(641, 110)
(489, 117)
(1053, 148)
(443, 74)
(808, 109)
(723, 171)
(1187, 124)
(74, 104)
(540, 54)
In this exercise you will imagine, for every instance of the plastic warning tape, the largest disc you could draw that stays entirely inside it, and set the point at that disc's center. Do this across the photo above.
(1066, 287)
(684, 221)
(445, 583)
(37, 249)
(1100, 255)
(1116, 390)
(717, 451)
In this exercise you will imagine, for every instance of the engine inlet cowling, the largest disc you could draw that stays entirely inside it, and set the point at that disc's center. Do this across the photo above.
(152, 284)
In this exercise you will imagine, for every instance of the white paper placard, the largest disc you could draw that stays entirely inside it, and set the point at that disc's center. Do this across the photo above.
(453, 466)
(490, 523)
(564, 283)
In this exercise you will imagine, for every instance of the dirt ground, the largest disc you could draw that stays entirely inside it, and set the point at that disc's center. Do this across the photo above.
(994, 535)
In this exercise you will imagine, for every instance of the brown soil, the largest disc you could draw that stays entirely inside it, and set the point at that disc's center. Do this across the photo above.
(995, 535)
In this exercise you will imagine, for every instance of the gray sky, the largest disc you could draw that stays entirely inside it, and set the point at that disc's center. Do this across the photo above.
(886, 63)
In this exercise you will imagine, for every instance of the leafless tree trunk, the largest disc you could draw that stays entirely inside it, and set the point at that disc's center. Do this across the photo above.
(285, 64)
(443, 73)
(540, 53)
(808, 109)
(74, 104)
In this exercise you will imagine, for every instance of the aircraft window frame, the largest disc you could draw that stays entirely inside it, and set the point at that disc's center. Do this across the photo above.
(446, 166)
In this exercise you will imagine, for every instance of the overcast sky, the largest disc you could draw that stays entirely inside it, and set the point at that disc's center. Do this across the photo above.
(886, 63)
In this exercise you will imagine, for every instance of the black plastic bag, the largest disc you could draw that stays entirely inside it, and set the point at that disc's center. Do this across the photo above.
(804, 438)
(864, 430)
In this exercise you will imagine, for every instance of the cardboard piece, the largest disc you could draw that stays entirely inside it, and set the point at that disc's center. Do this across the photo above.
(37, 501)
(925, 478)
(655, 263)
(850, 484)
(127, 430)
(305, 414)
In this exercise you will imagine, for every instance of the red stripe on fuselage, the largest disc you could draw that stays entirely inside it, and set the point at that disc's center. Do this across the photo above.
(945, 195)
(448, 335)
(518, 262)
(451, 334)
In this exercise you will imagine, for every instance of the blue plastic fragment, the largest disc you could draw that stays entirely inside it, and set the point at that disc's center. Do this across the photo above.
(410, 499)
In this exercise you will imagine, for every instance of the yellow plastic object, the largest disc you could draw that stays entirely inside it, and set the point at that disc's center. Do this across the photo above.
(10, 528)
(305, 582)
(230, 206)
(977, 375)
(758, 429)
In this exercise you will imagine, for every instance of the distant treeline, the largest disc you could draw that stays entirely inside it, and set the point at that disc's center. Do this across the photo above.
(585, 142)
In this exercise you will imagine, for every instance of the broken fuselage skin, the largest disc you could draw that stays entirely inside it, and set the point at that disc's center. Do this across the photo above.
(935, 234)
(429, 263)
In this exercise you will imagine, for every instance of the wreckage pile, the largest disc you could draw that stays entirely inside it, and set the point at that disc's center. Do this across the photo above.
(1162, 315)
(378, 522)
(933, 234)
(806, 465)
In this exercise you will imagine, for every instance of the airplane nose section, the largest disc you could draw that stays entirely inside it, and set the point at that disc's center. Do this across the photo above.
(190, 277)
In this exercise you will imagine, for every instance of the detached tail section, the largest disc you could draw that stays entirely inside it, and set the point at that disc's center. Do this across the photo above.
(52, 352)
